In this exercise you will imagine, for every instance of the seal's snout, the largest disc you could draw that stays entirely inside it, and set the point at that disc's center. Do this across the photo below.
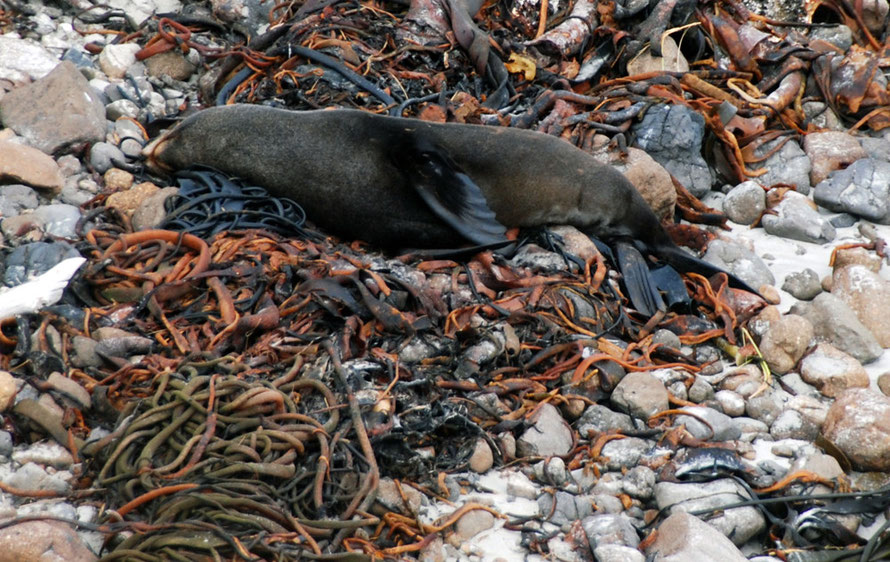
(153, 155)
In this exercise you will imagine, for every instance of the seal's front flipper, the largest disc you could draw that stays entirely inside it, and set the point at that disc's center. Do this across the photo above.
(641, 287)
(450, 193)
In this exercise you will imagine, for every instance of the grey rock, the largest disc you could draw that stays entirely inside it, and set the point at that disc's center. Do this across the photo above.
(766, 406)
(836, 323)
(85, 352)
(683, 538)
(818, 462)
(487, 349)
(16, 197)
(22, 60)
(666, 338)
(5, 444)
(641, 395)
(416, 350)
(617, 553)
(55, 112)
(251, 13)
(156, 106)
(124, 346)
(794, 218)
(538, 259)
(59, 219)
(788, 165)
(569, 507)
(740, 261)
(30, 260)
(610, 483)
(863, 189)
(553, 470)
(843, 220)
(797, 385)
(32, 477)
(639, 482)
(804, 285)
(121, 108)
(876, 148)
(745, 202)
(709, 424)
(607, 503)
(751, 428)
(739, 524)
(813, 409)
(100, 86)
(69, 165)
(700, 391)
(840, 36)
(131, 148)
(606, 528)
(599, 419)
(732, 402)
(822, 116)
(550, 435)
(136, 89)
(672, 135)
(104, 156)
(115, 59)
(73, 194)
(791, 424)
(47, 453)
(128, 129)
(621, 453)
(519, 485)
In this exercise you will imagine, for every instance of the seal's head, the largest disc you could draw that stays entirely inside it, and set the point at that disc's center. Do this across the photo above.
(152, 153)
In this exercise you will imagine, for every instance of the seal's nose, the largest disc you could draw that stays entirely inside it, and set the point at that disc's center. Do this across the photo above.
(152, 154)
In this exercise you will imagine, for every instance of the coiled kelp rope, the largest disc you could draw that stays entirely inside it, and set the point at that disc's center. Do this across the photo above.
(217, 465)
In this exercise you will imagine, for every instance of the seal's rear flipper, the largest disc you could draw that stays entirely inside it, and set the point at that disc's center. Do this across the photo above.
(687, 263)
(449, 191)
(641, 287)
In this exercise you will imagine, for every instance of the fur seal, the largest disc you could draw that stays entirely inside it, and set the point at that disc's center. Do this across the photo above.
(398, 182)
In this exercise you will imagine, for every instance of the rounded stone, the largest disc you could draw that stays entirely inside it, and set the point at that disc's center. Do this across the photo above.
(8, 390)
(482, 458)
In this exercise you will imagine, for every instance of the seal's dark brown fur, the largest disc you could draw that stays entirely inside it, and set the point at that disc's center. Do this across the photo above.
(337, 165)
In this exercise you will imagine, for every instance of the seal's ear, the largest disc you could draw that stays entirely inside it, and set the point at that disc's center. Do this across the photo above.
(449, 192)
